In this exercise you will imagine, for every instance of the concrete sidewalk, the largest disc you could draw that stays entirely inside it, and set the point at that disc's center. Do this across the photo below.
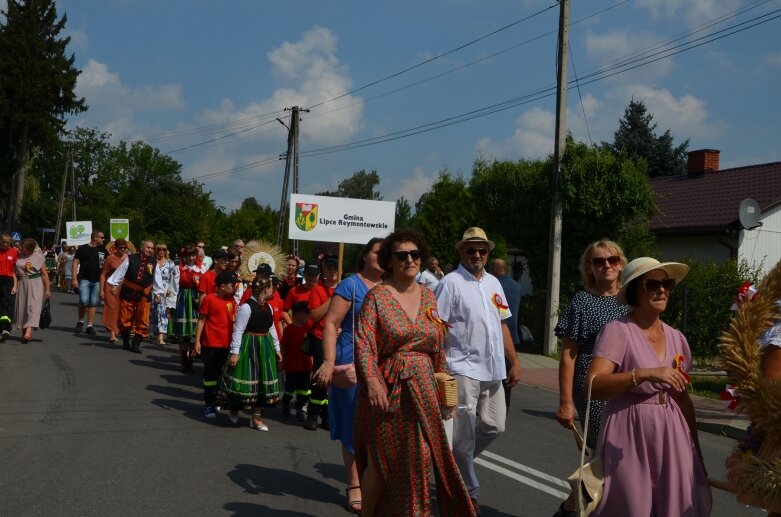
(543, 372)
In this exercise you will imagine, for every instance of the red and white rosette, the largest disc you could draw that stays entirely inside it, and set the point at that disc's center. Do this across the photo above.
(434, 316)
(499, 302)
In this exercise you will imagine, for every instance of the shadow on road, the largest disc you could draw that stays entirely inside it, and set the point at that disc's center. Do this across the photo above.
(173, 391)
(539, 414)
(154, 362)
(246, 509)
(188, 409)
(183, 379)
(257, 479)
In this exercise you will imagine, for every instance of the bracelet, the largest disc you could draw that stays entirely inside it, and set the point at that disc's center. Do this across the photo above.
(634, 378)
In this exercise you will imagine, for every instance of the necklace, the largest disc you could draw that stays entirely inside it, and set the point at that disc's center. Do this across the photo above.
(654, 338)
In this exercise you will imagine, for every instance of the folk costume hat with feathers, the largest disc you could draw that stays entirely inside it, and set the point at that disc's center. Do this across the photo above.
(640, 266)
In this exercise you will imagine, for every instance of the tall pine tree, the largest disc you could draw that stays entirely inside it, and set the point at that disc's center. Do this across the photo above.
(636, 135)
(36, 93)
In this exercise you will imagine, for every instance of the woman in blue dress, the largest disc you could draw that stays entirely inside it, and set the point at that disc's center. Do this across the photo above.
(338, 352)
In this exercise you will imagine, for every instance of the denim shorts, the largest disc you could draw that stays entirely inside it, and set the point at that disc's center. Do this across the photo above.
(89, 293)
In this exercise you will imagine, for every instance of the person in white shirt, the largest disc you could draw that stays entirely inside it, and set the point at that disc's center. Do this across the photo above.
(473, 302)
(427, 279)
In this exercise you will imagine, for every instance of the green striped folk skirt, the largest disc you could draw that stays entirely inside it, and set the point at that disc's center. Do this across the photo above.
(184, 319)
(254, 380)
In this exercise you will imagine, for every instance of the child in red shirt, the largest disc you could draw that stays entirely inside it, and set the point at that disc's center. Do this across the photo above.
(216, 316)
(297, 365)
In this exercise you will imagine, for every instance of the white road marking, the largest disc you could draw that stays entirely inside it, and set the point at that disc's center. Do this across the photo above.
(524, 468)
(523, 479)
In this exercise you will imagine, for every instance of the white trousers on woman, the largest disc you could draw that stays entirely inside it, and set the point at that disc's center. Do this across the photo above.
(477, 423)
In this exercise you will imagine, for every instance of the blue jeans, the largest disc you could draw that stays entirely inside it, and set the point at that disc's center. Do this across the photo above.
(89, 293)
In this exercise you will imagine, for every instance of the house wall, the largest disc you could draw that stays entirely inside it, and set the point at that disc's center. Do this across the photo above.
(705, 248)
(764, 242)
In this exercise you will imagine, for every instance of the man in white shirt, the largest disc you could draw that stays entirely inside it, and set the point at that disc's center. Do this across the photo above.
(473, 302)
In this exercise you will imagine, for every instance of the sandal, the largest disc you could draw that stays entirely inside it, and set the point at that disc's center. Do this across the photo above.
(354, 505)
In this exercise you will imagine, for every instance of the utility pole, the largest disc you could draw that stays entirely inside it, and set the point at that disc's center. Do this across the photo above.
(291, 135)
(291, 157)
(73, 184)
(554, 257)
(62, 195)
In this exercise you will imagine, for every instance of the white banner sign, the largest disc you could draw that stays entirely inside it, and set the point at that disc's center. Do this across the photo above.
(77, 232)
(119, 228)
(339, 219)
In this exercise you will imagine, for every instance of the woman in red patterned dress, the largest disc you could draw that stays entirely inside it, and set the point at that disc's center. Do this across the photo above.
(399, 433)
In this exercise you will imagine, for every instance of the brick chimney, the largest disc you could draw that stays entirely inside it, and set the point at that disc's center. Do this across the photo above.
(703, 160)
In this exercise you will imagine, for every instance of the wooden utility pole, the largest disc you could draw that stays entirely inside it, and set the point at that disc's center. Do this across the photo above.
(291, 157)
(554, 257)
(286, 180)
(62, 195)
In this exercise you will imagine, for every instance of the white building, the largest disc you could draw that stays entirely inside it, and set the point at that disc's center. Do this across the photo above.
(698, 212)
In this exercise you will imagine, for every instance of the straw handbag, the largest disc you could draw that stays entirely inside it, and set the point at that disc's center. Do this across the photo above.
(588, 480)
(447, 389)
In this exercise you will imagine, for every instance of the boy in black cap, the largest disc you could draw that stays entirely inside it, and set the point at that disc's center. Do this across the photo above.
(206, 285)
(216, 316)
(297, 365)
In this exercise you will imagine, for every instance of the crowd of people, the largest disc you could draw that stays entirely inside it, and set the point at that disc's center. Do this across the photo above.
(357, 356)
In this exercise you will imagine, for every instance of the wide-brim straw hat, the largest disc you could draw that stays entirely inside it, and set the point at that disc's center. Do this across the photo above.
(640, 266)
(475, 234)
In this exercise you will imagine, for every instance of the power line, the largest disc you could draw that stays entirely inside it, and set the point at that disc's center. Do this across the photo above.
(424, 62)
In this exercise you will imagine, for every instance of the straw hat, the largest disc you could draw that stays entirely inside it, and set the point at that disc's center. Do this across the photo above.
(640, 266)
(475, 235)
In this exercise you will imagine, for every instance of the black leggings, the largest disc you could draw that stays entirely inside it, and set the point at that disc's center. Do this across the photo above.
(213, 362)
(318, 398)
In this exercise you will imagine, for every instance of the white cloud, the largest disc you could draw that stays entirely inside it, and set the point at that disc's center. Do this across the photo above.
(79, 38)
(533, 138)
(774, 59)
(619, 45)
(686, 116)
(114, 105)
(694, 12)
(312, 65)
(412, 187)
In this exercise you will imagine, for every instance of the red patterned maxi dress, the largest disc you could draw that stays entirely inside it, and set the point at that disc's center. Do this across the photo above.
(408, 441)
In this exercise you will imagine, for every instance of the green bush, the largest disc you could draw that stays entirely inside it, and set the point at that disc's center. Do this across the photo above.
(700, 306)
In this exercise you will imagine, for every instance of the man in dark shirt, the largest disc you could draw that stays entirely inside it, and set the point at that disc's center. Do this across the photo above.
(512, 291)
(87, 264)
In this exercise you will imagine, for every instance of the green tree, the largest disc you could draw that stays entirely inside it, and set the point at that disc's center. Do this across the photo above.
(361, 185)
(636, 135)
(603, 195)
(251, 221)
(36, 93)
(403, 213)
(443, 213)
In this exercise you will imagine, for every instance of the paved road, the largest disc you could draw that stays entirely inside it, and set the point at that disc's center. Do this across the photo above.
(89, 429)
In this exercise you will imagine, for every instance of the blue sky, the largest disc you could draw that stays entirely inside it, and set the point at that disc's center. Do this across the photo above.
(178, 73)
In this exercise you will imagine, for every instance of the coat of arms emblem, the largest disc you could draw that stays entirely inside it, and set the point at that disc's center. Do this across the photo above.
(306, 216)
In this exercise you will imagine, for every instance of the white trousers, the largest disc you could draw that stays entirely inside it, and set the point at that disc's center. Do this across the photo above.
(477, 423)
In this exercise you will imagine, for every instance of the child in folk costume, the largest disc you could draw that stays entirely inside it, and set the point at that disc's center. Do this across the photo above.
(185, 316)
(297, 365)
(250, 378)
(216, 318)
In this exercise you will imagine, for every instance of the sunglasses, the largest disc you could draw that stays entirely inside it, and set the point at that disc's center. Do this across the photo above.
(601, 261)
(122, 247)
(401, 256)
(199, 246)
(161, 249)
(653, 286)
(481, 251)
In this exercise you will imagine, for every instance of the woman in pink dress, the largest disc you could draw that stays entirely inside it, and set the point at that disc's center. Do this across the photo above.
(111, 301)
(648, 444)
(32, 288)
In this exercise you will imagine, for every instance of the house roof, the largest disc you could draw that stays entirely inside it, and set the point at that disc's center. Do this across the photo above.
(708, 202)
